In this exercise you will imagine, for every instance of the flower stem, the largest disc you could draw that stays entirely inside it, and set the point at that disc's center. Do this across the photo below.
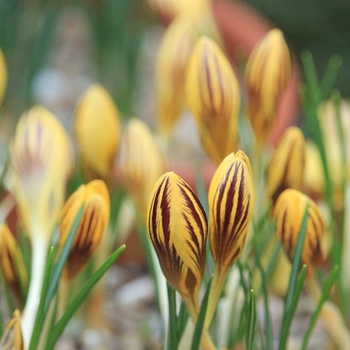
(331, 316)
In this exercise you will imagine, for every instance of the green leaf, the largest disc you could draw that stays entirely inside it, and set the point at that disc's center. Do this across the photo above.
(172, 326)
(80, 298)
(56, 274)
(197, 335)
(182, 319)
(40, 316)
(325, 294)
(251, 320)
(330, 75)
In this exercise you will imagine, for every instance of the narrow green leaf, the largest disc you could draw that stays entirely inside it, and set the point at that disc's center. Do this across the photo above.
(197, 335)
(182, 319)
(251, 320)
(40, 316)
(330, 75)
(172, 326)
(325, 294)
(80, 298)
(57, 271)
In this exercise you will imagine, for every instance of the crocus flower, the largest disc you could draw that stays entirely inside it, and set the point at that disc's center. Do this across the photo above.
(177, 226)
(97, 132)
(213, 97)
(286, 166)
(12, 336)
(12, 263)
(142, 162)
(3, 76)
(176, 46)
(93, 223)
(289, 211)
(268, 72)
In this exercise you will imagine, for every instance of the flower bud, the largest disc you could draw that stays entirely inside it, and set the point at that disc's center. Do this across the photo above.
(286, 166)
(40, 162)
(12, 336)
(213, 97)
(142, 162)
(289, 212)
(174, 51)
(268, 73)
(3, 76)
(12, 262)
(177, 226)
(97, 132)
(93, 223)
(231, 204)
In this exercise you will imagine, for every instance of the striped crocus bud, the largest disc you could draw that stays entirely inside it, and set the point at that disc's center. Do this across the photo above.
(176, 46)
(12, 336)
(286, 166)
(213, 97)
(12, 263)
(3, 76)
(268, 72)
(93, 223)
(97, 132)
(177, 226)
(142, 162)
(231, 204)
(289, 212)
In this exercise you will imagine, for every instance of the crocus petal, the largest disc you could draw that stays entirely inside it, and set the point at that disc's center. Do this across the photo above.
(3, 76)
(12, 336)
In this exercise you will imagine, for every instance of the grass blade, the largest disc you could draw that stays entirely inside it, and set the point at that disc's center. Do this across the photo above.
(182, 320)
(251, 320)
(172, 326)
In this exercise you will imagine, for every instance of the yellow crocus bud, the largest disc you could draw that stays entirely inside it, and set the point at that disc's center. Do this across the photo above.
(97, 132)
(3, 76)
(12, 262)
(177, 226)
(93, 223)
(12, 336)
(175, 49)
(289, 211)
(231, 204)
(213, 97)
(142, 162)
(267, 74)
(286, 166)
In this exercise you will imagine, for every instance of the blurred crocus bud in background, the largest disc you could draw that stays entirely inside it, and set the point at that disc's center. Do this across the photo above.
(268, 73)
(175, 48)
(213, 97)
(95, 198)
(286, 166)
(177, 226)
(142, 161)
(97, 132)
(289, 212)
(3, 76)
(12, 264)
(231, 205)
(12, 336)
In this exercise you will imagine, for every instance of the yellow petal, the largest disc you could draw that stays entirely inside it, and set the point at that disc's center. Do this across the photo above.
(3, 76)
(267, 74)
(231, 204)
(286, 166)
(12, 337)
(213, 97)
(177, 226)
(97, 130)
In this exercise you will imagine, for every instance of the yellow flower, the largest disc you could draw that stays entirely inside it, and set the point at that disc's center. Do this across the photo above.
(289, 211)
(40, 162)
(95, 198)
(213, 97)
(12, 337)
(286, 166)
(142, 162)
(97, 132)
(268, 72)
(177, 226)
(231, 204)
(12, 262)
(174, 51)
(3, 76)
